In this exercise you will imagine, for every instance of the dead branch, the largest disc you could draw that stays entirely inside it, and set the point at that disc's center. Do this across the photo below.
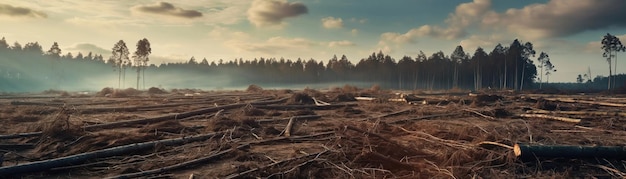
(406, 149)
(543, 116)
(484, 143)
(44, 165)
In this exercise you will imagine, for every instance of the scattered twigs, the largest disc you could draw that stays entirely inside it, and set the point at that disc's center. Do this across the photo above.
(307, 117)
(525, 151)
(423, 117)
(176, 116)
(478, 113)
(296, 107)
(215, 156)
(246, 173)
(543, 116)
(390, 114)
(393, 163)
(320, 102)
(80, 158)
(394, 143)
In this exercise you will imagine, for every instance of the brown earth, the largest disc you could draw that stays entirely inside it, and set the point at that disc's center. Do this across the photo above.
(242, 134)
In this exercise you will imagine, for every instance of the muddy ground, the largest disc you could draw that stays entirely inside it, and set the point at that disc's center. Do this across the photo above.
(304, 134)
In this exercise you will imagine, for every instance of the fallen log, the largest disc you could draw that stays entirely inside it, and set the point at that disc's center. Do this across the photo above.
(296, 107)
(569, 100)
(16, 146)
(31, 103)
(20, 135)
(44, 165)
(543, 116)
(525, 151)
(289, 126)
(597, 113)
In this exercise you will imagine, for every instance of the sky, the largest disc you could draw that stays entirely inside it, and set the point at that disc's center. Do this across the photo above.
(570, 31)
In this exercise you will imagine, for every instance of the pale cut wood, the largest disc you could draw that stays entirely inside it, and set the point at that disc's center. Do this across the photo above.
(543, 116)
(289, 126)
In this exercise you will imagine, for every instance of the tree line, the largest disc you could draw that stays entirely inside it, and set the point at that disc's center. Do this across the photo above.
(504, 67)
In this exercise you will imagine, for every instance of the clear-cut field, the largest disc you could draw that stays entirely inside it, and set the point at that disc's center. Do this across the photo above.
(294, 134)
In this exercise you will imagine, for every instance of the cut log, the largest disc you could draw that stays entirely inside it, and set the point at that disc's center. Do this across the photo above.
(569, 100)
(20, 135)
(525, 151)
(289, 118)
(543, 116)
(289, 126)
(44, 165)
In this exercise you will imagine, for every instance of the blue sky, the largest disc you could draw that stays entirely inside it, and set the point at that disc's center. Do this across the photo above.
(569, 30)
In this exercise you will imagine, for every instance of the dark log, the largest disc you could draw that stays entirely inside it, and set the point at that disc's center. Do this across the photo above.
(20, 135)
(16, 146)
(526, 152)
(288, 118)
(44, 165)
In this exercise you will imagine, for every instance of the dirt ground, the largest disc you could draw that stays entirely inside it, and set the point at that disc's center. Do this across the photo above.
(305, 134)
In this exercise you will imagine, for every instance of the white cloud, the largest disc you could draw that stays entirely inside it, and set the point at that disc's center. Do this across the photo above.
(273, 12)
(343, 43)
(332, 23)
(560, 18)
(487, 42)
(464, 16)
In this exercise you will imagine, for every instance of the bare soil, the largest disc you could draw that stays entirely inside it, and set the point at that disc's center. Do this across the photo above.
(414, 135)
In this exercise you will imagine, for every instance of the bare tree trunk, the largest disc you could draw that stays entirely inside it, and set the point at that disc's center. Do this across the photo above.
(516, 76)
(521, 85)
(610, 73)
(138, 76)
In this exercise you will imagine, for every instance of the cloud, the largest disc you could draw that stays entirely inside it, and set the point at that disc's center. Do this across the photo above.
(272, 46)
(272, 12)
(465, 15)
(14, 11)
(560, 18)
(164, 8)
(332, 23)
(487, 42)
(596, 46)
(85, 48)
(343, 43)
(354, 32)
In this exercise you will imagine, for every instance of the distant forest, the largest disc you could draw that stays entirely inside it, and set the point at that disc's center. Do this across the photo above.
(517, 66)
